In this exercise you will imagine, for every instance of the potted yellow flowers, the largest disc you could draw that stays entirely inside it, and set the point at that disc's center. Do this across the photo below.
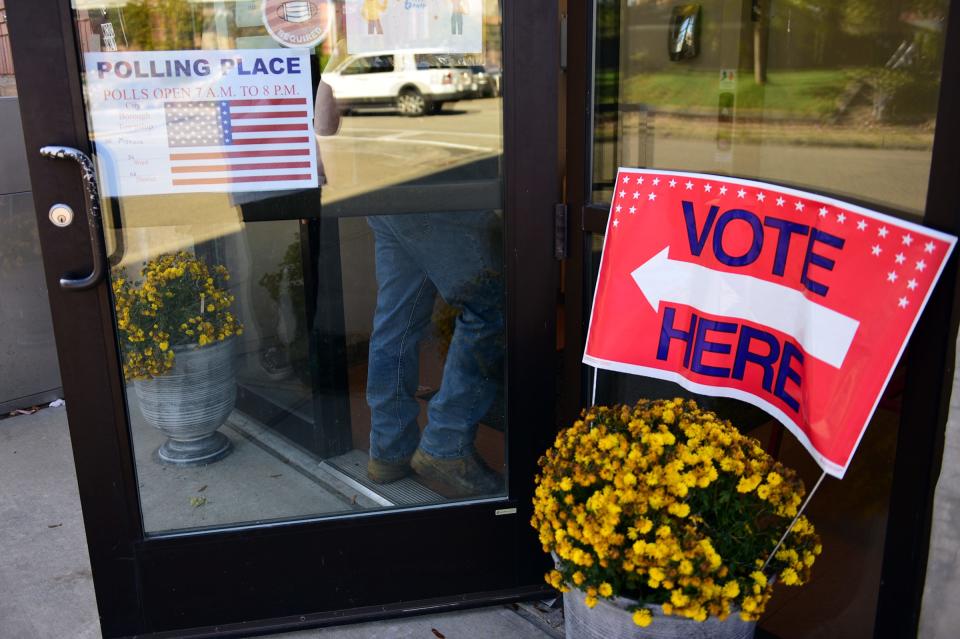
(662, 516)
(177, 337)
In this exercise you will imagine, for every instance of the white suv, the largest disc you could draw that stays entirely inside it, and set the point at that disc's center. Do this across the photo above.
(415, 83)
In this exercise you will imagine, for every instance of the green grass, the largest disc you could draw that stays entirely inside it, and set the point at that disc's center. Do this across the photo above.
(790, 94)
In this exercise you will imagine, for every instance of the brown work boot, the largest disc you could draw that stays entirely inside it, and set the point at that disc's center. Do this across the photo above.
(381, 471)
(466, 476)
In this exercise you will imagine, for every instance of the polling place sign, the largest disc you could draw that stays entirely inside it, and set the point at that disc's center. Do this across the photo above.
(794, 302)
(193, 121)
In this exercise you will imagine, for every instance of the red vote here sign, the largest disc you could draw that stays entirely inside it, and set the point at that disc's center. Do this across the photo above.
(794, 302)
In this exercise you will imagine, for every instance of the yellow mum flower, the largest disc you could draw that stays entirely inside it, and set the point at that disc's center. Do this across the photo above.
(789, 576)
(747, 484)
(731, 589)
(642, 617)
(680, 510)
(630, 493)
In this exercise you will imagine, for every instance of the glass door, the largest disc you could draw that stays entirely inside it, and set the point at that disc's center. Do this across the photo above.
(851, 100)
(301, 367)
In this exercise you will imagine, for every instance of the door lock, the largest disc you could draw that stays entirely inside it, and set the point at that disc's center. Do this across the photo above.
(61, 215)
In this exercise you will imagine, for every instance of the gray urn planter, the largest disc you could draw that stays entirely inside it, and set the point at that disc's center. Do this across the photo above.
(610, 619)
(190, 402)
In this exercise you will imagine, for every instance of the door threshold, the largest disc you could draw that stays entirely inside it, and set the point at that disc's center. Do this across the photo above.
(345, 474)
(403, 492)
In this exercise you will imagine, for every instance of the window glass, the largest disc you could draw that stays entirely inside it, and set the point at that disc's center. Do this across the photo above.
(830, 96)
(370, 64)
(8, 85)
(324, 247)
(438, 61)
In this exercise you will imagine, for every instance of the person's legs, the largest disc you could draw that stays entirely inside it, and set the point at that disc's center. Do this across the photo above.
(460, 255)
(379, 27)
(463, 259)
(405, 298)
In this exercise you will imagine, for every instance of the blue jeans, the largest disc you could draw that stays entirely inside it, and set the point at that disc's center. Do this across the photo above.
(458, 255)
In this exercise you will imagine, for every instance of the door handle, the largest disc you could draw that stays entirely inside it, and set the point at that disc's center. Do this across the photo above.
(89, 176)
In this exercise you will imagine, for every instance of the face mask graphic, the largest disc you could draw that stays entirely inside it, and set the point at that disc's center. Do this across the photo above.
(296, 11)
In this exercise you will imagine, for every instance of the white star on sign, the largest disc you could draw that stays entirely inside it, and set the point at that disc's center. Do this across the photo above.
(928, 247)
(798, 206)
(741, 193)
(656, 181)
(861, 225)
(723, 190)
(876, 250)
(619, 208)
(623, 194)
(616, 222)
(633, 210)
(780, 201)
(907, 239)
(900, 258)
(673, 183)
(761, 197)
(626, 179)
(823, 211)
(841, 218)
(892, 276)
(689, 186)
(640, 180)
(707, 188)
(902, 302)
(911, 284)
(636, 194)
(652, 196)
(882, 231)
(921, 265)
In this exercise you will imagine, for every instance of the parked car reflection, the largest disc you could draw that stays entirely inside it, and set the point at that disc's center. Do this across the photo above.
(414, 83)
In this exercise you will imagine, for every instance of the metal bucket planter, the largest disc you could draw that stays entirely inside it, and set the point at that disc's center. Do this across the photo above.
(190, 402)
(610, 619)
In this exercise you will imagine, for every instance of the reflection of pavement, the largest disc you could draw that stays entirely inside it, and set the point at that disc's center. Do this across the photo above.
(379, 149)
(893, 177)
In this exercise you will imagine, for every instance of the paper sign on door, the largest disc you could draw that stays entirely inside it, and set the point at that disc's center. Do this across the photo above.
(189, 121)
(433, 26)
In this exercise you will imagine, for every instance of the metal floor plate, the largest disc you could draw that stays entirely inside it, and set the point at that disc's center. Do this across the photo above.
(404, 492)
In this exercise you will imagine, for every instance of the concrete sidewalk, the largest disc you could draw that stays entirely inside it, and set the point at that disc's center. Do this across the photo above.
(46, 591)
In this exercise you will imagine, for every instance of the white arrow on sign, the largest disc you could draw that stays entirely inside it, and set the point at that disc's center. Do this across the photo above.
(823, 333)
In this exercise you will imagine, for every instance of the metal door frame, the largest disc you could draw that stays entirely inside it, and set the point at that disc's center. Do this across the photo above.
(930, 357)
(312, 572)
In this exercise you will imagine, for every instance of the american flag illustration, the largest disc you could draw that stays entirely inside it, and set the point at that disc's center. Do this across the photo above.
(239, 141)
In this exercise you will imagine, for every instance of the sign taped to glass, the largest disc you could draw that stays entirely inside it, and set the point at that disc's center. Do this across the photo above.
(297, 23)
(797, 303)
(202, 121)
(431, 26)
